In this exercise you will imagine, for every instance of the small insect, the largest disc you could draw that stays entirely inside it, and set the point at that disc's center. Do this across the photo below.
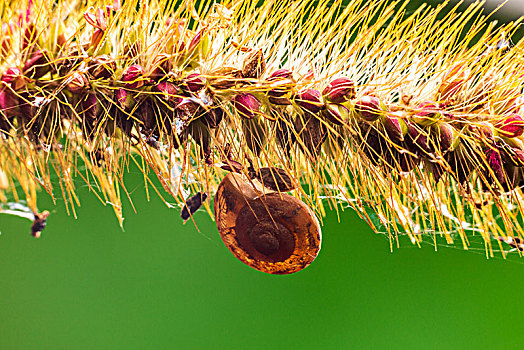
(192, 205)
(39, 223)
(514, 242)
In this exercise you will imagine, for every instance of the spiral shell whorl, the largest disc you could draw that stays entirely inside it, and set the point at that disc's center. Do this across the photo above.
(272, 232)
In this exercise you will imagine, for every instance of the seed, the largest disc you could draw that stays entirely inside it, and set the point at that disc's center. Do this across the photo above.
(254, 65)
(512, 150)
(368, 107)
(247, 105)
(418, 140)
(428, 113)
(195, 82)
(102, 67)
(213, 117)
(78, 83)
(311, 132)
(495, 163)
(310, 100)
(447, 136)
(162, 65)
(132, 76)
(171, 93)
(511, 126)
(395, 126)
(336, 114)
(339, 90)
(281, 74)
(255, 134)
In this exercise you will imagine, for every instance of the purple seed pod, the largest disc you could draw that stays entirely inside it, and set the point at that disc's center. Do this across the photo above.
(483, 130)
(336, 114)
(121, 96)
(8, 103)
(369, 108)
(514, 178)
(282, 82)
(310, 100)
(145, 114)
(102, 67)
(14, 77)
(495, 163)
(447, 136)
(78, 83)
(38, 65)
(11, 74)
(418, 140)
(511, 126)
(247, 105)
(339, 90)
(428, 108)
(312, 132)
(125, 99)
(195, 41)
(405, 161)
(280, 74)
(195, 82)
(395, 126)
(133, 76)
(513, 150)
(170, 92)
(201, 133)
(428, 113)
(122, 111)
(370, 142)
(162, 65)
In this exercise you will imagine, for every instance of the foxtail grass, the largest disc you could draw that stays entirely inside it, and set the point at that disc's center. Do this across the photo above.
(413, 119)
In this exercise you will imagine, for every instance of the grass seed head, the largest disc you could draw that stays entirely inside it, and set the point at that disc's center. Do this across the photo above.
(362, 105)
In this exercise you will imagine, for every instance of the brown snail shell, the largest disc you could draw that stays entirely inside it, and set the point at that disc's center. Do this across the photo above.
(270, 231)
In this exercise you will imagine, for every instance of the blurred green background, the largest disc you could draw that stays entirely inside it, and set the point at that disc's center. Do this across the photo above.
(87, 285)
(160, 284)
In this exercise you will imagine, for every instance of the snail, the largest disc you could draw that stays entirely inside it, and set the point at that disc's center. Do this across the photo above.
(270, 231)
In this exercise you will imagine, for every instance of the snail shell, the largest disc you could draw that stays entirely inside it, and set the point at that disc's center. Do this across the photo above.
(272, 232)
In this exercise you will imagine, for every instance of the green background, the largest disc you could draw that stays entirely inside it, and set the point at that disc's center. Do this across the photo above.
(88, 285)
(85, 284)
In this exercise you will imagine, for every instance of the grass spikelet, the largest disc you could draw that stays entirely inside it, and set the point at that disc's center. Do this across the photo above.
(413, 119)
